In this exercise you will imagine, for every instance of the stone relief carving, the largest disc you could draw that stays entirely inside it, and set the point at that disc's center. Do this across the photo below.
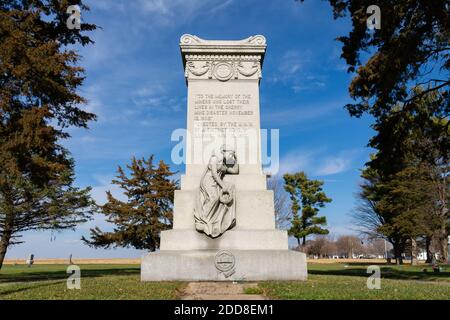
(247, 69)
(198, 68)
(226, 63)
(223, 71)
(223, 67)
(225, 262)
(259, 40)
(189, 39)
(215, 211)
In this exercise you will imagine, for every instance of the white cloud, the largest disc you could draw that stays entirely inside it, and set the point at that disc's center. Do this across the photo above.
(308, 86)
(148, 14)
(98, 192)
(155, 98)
(182, 9)
(106, 5)
(221, 6)
(298, 160)
(292, 62)
(336, 164)
(285, 116)
(315, 162)
(160, 7)
(299, 70)
(88, 139)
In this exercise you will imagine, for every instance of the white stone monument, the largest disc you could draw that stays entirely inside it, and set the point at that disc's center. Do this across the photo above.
(30, 260)
(224, 224)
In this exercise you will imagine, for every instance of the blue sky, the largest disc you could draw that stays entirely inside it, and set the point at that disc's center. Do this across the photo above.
(135, 84)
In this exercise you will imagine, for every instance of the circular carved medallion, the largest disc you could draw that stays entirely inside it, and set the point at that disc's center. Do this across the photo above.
(223, 71)
(224, 261)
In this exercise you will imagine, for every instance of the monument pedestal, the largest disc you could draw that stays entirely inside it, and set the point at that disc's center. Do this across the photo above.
(201, 265)
(223, 107)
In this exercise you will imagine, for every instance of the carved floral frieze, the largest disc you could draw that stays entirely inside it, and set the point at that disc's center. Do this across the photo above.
(223, 67)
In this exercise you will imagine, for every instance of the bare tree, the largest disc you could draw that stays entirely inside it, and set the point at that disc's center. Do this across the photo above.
(283, 213)
(316, 247)
(349, 245)
(346, 246)
(367, 219)
(376, 247)
(321, 247)
(330, 248)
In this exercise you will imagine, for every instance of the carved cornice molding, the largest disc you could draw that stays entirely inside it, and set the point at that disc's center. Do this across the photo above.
(222, 59)
(223, 67)
(257, 40)
(188, 39)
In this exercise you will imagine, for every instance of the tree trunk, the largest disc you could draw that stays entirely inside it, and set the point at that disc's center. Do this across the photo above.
(427, 248)
(304, 241)
(398, 253)
(4, 243)
(413, 252)
(443, 235)
(443, 246)
(442, 238)
(6, 234)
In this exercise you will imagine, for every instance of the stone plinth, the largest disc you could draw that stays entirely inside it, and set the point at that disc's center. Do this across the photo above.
(199, 265)
(223, 109)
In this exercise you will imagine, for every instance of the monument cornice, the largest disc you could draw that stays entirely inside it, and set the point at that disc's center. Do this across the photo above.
(222, 60)
(255, 43)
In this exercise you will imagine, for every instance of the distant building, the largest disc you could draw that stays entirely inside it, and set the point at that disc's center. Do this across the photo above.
(422, 255)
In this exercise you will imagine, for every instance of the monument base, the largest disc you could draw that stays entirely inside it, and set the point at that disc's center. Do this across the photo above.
(232, 265)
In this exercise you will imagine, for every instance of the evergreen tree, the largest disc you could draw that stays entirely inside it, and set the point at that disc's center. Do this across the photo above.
(410, 48)
(38, 101)
(308, 196)
(406, 190)
(417, 138)
(147, 211)
(406, 204)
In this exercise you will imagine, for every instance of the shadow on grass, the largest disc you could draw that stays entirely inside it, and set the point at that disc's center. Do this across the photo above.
(21, 289)
(395, 273)
(62, 275)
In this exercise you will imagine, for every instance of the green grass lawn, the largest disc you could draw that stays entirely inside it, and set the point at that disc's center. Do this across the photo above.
(97, 282)
(349, 281)
(326, 281)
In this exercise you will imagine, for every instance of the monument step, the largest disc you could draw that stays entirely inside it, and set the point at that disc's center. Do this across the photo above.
(254, 209)
(232, 239)
(231, 265)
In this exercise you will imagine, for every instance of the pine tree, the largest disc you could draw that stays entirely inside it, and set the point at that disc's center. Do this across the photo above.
(38, 102)
(308, 196)
(148, 210)
(406, 189)
(371, 217)
(410, 48)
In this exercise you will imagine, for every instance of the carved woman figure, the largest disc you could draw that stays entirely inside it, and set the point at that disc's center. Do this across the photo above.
(215, 210)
